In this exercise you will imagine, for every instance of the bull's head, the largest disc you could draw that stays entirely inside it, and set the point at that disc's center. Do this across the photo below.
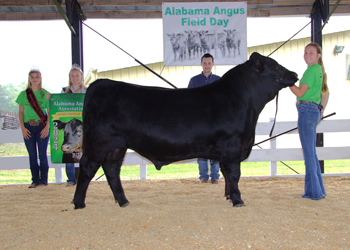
(268, 67)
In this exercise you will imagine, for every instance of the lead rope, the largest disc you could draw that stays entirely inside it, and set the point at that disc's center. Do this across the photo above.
(274, 122)
(288, 39)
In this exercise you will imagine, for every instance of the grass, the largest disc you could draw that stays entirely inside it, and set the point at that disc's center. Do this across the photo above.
(167, 172)
(12, 149)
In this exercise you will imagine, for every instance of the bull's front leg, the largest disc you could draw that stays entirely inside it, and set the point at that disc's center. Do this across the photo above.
(227, 193)
(86, 173)
(232, 173)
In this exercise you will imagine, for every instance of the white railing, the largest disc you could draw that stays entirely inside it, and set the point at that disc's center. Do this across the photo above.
(272, 155)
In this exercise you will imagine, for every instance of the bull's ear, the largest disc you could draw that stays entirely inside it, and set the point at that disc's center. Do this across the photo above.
(60, 125)
(257, 61)
(255, 56)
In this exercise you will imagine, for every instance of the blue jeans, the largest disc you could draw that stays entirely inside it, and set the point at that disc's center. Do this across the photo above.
(308, 117)
(39, 172)
(70, 171)
(203, 169)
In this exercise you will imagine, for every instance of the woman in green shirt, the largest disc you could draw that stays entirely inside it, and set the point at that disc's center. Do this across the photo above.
(312, 97)
(35, 131)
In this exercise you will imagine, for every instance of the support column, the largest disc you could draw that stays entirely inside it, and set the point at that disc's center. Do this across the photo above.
(76, 39)
(321, 11)
(77, 42)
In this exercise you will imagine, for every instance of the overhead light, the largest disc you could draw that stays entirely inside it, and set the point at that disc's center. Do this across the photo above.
(338, 49)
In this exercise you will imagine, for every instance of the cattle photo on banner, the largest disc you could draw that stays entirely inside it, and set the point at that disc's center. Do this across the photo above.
(66, 127)
(192, 29)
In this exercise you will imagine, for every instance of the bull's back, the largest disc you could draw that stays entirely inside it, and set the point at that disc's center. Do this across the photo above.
(111, 100)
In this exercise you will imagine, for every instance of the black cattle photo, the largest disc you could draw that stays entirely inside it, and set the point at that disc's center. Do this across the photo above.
(72, 142)
(191, 44)
(169, 125)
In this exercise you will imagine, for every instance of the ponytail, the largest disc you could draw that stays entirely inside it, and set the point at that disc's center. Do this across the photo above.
(318, 48)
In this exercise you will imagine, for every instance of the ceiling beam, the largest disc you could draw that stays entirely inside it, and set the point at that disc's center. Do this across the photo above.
(46, 9)
(91, 3)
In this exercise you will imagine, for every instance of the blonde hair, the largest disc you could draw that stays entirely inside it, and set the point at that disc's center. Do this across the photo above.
(318, 48)
(29, 84)
(82, 86)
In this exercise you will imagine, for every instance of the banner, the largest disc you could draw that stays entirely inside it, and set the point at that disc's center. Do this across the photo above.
(192, 29)
(66, 127)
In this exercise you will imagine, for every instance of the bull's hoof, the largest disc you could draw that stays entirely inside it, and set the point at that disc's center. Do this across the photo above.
(239, 205)
(123, 203)
(79, 206)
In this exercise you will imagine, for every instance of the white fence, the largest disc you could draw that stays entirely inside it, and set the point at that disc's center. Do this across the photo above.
(272, 155)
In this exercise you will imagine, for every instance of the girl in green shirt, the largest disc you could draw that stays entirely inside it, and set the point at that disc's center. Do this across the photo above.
(312, 97)
(35, 133)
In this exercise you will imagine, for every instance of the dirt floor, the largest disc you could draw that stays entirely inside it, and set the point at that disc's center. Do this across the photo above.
(177, 214)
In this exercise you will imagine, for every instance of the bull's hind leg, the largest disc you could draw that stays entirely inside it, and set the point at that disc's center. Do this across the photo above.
(87, 171)
(232, 175)
(111, 166)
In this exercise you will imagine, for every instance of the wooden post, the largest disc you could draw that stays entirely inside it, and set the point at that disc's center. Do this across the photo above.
(58, 174)
(273, 164)
(143, 172)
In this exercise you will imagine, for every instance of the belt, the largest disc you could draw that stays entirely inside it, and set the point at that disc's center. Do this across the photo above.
(34, 122)
(319, 106)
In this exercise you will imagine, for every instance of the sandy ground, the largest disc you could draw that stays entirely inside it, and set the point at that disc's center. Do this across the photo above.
(177, 214)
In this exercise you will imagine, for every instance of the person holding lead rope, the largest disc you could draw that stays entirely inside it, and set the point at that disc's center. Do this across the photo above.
(312, 98)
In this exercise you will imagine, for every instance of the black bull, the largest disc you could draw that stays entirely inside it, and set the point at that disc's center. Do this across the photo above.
(216, 121)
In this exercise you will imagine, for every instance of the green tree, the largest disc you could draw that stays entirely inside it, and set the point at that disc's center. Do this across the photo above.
(8, 95)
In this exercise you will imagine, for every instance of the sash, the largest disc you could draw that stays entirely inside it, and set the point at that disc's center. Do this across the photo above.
(34, 104)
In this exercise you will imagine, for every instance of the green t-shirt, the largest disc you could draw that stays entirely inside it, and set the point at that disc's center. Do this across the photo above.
(29, 112)
(313, 78)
